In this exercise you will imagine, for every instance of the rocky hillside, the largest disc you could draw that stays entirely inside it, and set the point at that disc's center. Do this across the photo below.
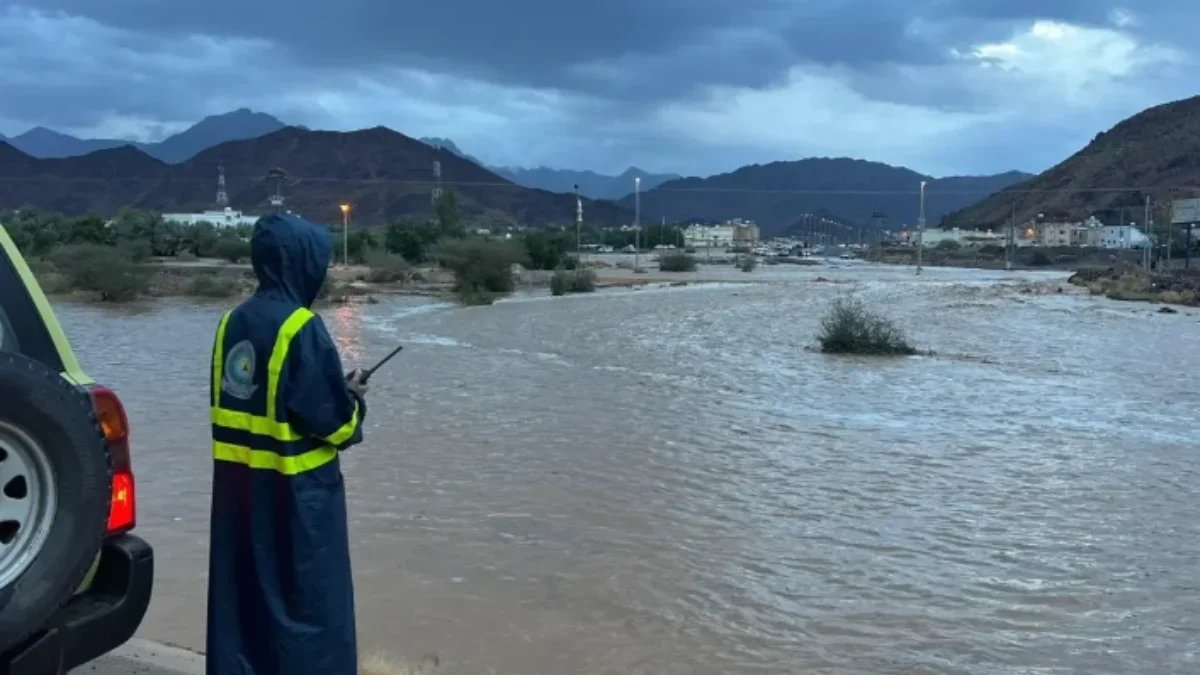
(384, 174)
(775, 195)
(1154, 152)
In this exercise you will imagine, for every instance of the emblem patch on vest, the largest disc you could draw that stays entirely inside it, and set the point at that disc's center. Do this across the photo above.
(238, 380)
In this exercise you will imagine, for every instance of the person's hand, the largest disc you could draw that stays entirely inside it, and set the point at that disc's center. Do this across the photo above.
(356, 383)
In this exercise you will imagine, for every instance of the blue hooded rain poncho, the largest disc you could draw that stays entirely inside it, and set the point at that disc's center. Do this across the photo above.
(280, 595)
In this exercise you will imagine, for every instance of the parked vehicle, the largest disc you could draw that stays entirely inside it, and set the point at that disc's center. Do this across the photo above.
(74, 582)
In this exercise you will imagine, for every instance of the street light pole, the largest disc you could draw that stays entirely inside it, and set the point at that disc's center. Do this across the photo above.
(345, 234)
(578, 226)
(637, 222)
(921, 229)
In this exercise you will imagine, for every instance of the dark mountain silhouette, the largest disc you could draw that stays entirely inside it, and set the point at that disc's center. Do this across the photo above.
(212, 131)
(384, 174)
(240, 124)
(591, 184)
(778, 195)
(47, 143)
(449, 146)
(1155, 152)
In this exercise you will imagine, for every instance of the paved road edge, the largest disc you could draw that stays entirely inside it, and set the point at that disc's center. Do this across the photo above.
(141, 656)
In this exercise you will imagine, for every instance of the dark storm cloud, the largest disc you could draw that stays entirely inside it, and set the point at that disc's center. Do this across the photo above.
(525, 42)
(666, 47)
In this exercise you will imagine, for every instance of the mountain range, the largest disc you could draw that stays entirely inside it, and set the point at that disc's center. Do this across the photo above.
(382, 173)
(779, 194)
(388, 175)
(243, 123)
(238, 125)
(590, 183)
(1155, 153)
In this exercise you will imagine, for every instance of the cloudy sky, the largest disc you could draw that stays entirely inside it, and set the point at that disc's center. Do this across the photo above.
(690, 86)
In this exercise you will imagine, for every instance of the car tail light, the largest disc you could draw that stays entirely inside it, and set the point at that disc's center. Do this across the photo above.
(122, 514)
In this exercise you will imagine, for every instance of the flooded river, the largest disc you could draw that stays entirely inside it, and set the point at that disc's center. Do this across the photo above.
(666, 481)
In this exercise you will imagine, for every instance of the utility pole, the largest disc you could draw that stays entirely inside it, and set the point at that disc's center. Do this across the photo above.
(1008, 241)
(437, 176)
(637, 222)
(1187, 249)
(1146, 245)
(921, 230)
(578, 226)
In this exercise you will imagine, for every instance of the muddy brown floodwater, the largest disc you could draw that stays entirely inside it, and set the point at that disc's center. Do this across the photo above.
(665, 481)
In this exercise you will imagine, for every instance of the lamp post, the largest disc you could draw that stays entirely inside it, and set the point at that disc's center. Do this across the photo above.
(921, 229)
(345, 234)
(578, 226)
(637, 222)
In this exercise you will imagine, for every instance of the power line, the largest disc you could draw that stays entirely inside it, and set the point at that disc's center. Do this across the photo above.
(294, 180)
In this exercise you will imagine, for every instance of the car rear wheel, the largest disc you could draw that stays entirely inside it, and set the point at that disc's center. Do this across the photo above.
(55, 487)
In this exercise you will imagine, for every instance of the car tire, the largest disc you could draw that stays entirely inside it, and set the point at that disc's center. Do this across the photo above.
(50, 427)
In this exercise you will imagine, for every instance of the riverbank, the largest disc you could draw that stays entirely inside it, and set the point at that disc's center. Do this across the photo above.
(387, 275)
(994, 258)
(1134, 284)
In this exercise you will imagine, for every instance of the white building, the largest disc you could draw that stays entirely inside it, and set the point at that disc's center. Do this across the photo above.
(226, 217)
(736, 232)
(704, 236)
(1123, 237)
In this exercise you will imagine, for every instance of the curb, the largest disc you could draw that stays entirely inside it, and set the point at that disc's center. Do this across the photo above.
(144, 656)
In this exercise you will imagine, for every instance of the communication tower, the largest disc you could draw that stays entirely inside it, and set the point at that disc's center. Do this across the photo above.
(222, 196)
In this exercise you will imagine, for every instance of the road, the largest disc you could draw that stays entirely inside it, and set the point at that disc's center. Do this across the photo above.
(142, 657)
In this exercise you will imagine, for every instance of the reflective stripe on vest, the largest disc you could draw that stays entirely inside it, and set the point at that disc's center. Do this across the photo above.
(269, 425)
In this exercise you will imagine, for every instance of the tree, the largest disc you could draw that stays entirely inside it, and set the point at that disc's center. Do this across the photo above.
(446, 210)
(546, 250)
(358, 244)
(410, 241)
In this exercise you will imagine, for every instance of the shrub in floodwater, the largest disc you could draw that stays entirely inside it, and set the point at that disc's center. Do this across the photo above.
(850, 328)
(211, 286)
(676, 262)
(482, 268)
(747, 263)
(107, 271)
(572, 281)
(387, 267)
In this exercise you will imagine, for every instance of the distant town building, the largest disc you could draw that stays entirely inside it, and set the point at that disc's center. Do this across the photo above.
(1123, 237)
(1060, 233)
(226, 217)
(731, 233)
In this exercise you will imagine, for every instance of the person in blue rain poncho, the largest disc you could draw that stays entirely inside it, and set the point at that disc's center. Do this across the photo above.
(280, 594)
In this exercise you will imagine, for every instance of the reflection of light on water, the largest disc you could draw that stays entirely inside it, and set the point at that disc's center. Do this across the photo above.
(346, 326)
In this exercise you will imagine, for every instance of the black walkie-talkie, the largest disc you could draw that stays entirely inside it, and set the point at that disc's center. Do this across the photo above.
(366, 374)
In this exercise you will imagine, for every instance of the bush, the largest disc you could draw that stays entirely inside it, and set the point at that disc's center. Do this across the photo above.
(547, 250)
(747, 263)
(482, 269)
(850, 328)
(676, 262)
(1036, 258)
(100, 269)
(232, 249)
(572, 281)
(948, 245)
(211, 286)
(337, 291)
(386, 268)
